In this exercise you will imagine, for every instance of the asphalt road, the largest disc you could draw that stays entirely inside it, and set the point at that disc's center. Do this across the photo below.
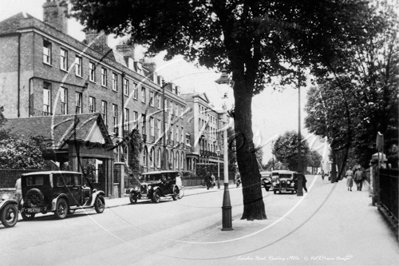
(327, 226)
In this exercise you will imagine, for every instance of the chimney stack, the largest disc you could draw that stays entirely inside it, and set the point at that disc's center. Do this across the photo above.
(55, 14)
(97, 41)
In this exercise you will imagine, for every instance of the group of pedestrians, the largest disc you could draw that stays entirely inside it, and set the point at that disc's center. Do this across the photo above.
(357, 175)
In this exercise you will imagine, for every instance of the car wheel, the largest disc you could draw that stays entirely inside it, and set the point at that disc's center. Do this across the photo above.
(34, 197)
(133, 198)
(99, 205)
(9, 215)
(155, 196)
(27, 216)
(61, 209)
(274, 191)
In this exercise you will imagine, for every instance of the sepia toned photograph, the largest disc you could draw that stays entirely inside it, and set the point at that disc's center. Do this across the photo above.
(199, 132)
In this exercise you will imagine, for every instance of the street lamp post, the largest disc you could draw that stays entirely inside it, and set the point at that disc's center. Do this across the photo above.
(226, 207)
(300, 177)
(218, 154)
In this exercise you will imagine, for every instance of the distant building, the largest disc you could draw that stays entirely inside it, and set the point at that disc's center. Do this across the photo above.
(204, 131)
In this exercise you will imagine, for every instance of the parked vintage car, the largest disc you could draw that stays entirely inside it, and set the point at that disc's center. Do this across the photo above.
(157, 184)
(8, 211)
(266, 180)
(61, 192)
(283, 181)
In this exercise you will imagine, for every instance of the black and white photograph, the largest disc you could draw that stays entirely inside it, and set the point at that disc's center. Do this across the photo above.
(199, 132)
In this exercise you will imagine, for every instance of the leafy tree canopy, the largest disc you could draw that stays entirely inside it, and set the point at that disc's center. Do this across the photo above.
(285, 149)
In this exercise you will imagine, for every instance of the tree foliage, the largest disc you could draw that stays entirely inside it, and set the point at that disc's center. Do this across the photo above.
(285, 149)
(254, 40)
(20, 153)
(360, 98)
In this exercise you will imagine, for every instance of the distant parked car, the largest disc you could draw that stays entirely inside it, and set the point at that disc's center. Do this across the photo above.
(61, 192)
(157, 184)
(283, 181)
(8, 211)
(266, 180)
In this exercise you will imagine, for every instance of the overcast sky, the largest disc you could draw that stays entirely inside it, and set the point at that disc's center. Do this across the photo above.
(274, 112)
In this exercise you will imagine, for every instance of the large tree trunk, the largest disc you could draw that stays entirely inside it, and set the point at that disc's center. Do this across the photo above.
(254, 207)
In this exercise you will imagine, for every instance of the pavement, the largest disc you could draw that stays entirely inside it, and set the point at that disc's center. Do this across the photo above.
(329, 225)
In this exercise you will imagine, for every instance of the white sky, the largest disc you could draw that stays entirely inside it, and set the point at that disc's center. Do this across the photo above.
(273, 112)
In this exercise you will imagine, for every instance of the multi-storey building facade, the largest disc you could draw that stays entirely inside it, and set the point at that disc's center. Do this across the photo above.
(45, 72)
(204, 127)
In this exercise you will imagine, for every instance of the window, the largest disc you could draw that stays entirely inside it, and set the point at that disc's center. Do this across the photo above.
(182, 161)
(159, 158)
(127, 120)
(114, 82)
(104, 111)
(159, 128)
(177, 133)
(181, 135)
(135, 91)
(64, 59)
(126, 87)
(46, 98)
(145, 157)
(78, 66)
(115, 117)
(92, 104)
(104, 77)
(136, 119)
(152, 157)
(143, 94)
(143, 131)
(152, 130)
(46, 52)
(152, 99)
(159, 101)
(79, 102)
(92, 72)
(64, 101)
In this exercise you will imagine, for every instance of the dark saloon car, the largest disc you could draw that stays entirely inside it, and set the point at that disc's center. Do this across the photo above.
(60, 192)
(266, 179)
(157, 184)
(283, 181)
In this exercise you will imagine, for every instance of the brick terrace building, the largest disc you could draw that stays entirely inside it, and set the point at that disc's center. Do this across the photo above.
(44, 72)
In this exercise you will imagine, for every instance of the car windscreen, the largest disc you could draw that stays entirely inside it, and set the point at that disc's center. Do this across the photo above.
(285, 175)
(35, 180)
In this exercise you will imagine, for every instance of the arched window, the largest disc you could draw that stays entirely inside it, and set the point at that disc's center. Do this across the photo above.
(182, 161)
(145, 157)
(159, 158)
(152, 157)
(176, 160)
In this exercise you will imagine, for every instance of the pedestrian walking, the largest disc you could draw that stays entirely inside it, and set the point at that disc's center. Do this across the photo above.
(358, 177)
(237, 179)
(304, 181)
(322, 175)
(208, 181)
(349, 179)
(213, 179)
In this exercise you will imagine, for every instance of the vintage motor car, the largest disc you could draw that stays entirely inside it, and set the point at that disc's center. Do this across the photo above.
(8, 211)
(266, 180)
(61, 192)
(283, 181)
(157, 184)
